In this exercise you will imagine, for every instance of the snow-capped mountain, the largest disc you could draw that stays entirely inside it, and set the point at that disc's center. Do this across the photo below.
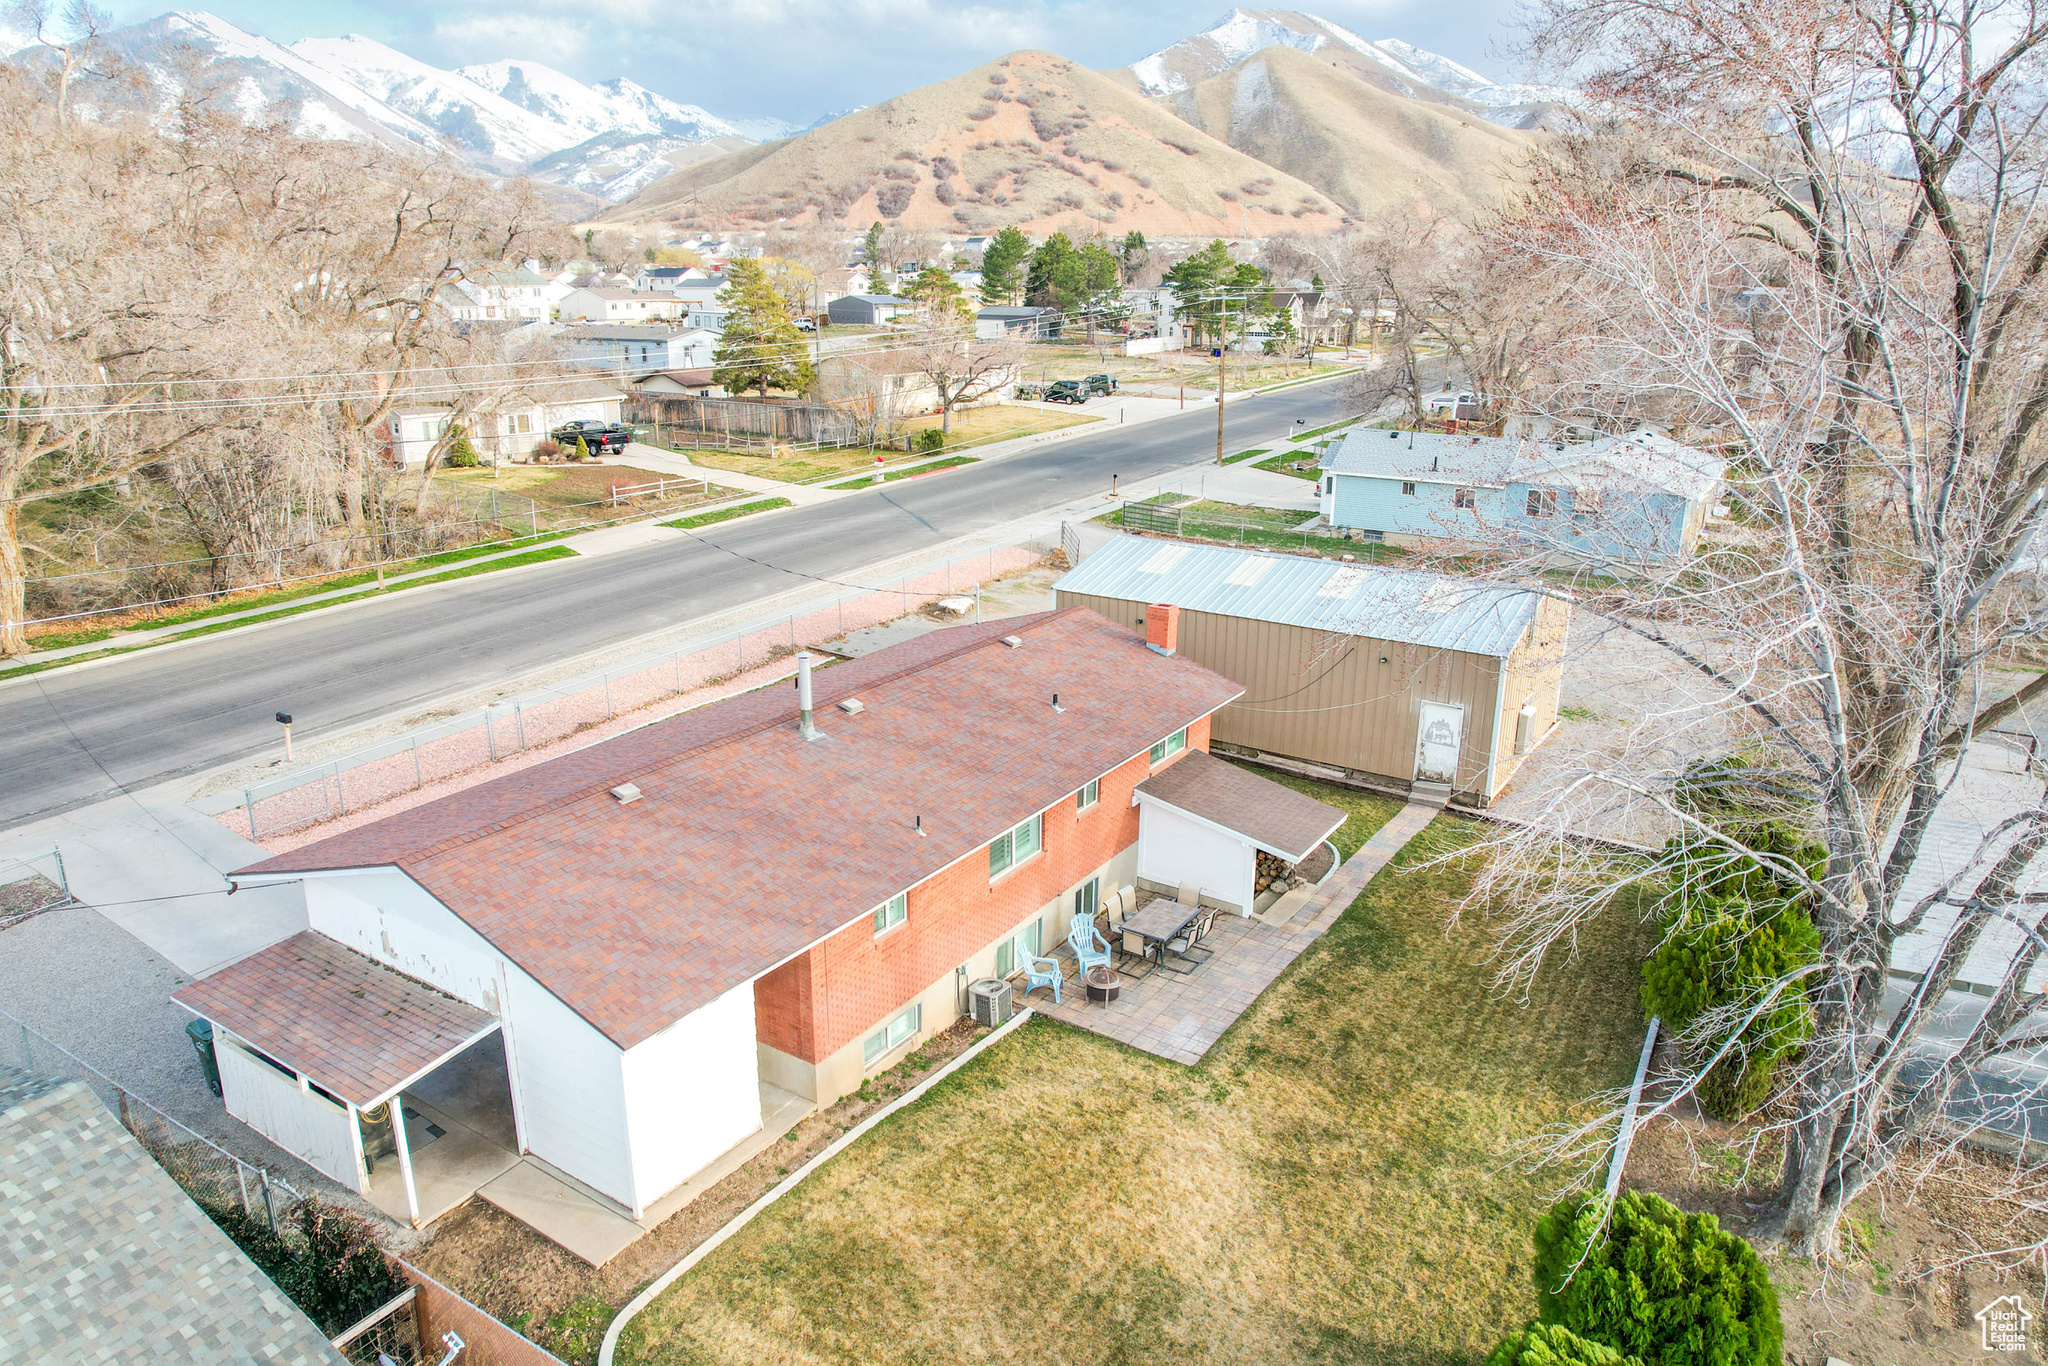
(473, 118)
(614, 106)
(611, 138)
(1388, 62)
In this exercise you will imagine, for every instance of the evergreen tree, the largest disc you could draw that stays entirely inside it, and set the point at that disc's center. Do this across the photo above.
(1133, 255)
(761, 347)
(1544, 1344)
(1215, 295)
(939, 299)
(871, 249)
(1002, 267)
(1658, 1284)
(1083, 283)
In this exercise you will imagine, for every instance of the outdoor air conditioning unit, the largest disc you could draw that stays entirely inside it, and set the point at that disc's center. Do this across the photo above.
(988, 1000)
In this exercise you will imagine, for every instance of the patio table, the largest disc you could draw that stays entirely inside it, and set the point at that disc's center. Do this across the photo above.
(1159, 921)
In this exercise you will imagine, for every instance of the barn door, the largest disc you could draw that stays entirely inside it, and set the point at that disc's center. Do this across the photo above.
(1438, 741)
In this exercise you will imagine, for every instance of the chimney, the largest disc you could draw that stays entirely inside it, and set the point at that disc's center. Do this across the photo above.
(806, 725)
(1162, 628)
(1451, 427)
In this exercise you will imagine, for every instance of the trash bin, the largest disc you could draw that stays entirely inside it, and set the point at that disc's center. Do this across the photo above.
(201, 1034)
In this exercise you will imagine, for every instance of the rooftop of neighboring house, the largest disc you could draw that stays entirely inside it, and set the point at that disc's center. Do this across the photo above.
(873, 299)
(1401, 605)
(631, 332)
(1493, 461)
(108, 1259)
(1007, 312)
(516, 277)
(747, 843)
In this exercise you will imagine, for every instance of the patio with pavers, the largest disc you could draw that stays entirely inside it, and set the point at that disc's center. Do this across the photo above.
(1179, 1015)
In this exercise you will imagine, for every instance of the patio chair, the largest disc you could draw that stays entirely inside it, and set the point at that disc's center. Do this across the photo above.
(1188, 944)
(1038, 972)
(1190, 894)
(1091, 950)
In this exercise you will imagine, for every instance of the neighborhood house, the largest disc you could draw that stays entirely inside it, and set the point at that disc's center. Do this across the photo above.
(1636, 499)
(1397, 676)
(510, 429)
(865, 310)
(652, 942)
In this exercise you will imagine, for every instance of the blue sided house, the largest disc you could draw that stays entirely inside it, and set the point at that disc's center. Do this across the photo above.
(1634, 499)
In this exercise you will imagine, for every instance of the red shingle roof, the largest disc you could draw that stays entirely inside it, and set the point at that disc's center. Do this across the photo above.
(1274, 817)
(353, 1025)
(749, 843)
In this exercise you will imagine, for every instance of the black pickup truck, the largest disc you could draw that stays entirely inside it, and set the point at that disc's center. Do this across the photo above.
(602, 438)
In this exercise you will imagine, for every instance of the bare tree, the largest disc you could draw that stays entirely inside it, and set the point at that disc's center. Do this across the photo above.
(1812, 236)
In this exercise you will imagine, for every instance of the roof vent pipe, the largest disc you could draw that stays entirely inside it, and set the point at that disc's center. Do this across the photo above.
(806, 725)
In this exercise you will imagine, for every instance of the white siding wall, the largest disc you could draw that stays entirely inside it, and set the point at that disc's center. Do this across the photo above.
(1174, 849)
(567, 1083)
(692, 1091)
(274, 1105)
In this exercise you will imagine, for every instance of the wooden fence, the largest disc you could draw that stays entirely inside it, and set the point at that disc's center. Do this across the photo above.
(744, 418)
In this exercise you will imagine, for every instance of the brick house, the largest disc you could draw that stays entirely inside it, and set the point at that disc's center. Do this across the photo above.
(654, 942)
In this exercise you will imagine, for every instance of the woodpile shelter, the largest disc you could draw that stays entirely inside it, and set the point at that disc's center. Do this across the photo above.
(1390, 675)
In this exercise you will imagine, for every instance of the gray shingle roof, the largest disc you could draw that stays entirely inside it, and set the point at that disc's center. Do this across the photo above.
(1641, 458)
(1432, 610)
(108, 1260)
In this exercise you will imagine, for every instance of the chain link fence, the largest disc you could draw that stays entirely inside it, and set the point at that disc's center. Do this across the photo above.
(1186, 523)
(29, 886)
(209, 1173)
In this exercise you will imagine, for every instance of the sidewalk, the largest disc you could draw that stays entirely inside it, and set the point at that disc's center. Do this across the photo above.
(640, 455)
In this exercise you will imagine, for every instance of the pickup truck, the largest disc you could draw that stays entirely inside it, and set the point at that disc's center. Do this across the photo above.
(602, 438)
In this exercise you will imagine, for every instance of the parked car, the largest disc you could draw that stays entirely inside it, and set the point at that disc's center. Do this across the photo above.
(1067, 391)
(1100, 384)
(806, 325)
(603, 438)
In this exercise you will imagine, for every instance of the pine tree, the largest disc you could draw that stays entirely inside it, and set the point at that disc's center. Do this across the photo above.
(761, 347)
(1002, 266)
(939, 299)
(871, 249)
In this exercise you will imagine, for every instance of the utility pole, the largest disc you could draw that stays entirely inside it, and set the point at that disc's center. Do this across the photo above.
(1222, 353)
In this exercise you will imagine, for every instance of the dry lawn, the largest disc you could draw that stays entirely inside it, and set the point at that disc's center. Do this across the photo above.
(1333, 1183)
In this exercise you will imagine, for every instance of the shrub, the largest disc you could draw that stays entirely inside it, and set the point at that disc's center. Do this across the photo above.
(580, 451)
(1547, 1344)
(1670, 1288)
(1735, 926)
(931, 439)
(343, 1273)
(461, 454)
(547, 451)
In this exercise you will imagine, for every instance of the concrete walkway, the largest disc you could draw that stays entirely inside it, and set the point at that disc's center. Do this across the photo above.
(642, 456)
(1180, 1017)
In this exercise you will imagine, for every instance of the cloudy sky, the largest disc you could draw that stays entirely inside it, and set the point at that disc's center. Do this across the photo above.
(796, 59)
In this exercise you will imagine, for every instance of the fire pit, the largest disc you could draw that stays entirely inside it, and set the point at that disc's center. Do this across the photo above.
(1104, 985)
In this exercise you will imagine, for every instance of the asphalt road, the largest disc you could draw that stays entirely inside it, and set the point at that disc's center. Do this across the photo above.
(70, 737)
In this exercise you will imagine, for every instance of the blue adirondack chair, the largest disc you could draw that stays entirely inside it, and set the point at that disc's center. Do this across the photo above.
(1091, 950)
(1038, 972)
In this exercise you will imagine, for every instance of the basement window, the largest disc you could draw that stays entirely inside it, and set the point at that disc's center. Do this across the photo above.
(892, 1035)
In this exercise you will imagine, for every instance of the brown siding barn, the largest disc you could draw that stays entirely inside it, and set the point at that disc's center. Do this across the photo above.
(1390, 675)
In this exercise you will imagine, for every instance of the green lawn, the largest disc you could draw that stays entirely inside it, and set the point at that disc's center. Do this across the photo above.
(931, 467)
(1332, 1184)
(1263, 528)
(1285, 462)
(726, 514)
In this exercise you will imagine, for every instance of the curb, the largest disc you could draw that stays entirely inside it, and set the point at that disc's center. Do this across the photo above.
(790, 1183)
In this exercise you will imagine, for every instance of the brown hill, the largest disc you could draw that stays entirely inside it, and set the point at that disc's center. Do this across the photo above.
(1368, 148)
(1031, 139)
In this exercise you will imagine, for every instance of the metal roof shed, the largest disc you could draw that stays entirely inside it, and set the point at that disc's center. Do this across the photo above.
(1388, 674)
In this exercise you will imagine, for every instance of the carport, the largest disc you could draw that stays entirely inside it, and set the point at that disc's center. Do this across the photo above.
(318, 1045)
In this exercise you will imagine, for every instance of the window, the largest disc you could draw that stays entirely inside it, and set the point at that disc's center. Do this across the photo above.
(1171, 745)
(1464, 498)
(892, 1034)
(1013, 847)
(890, 913)
(1089, 795)
(1011, 953)
(1585, 510)
(1330, 483)
(1407, 488)
(1543, 502)
(525, 422)
(1087, 897)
